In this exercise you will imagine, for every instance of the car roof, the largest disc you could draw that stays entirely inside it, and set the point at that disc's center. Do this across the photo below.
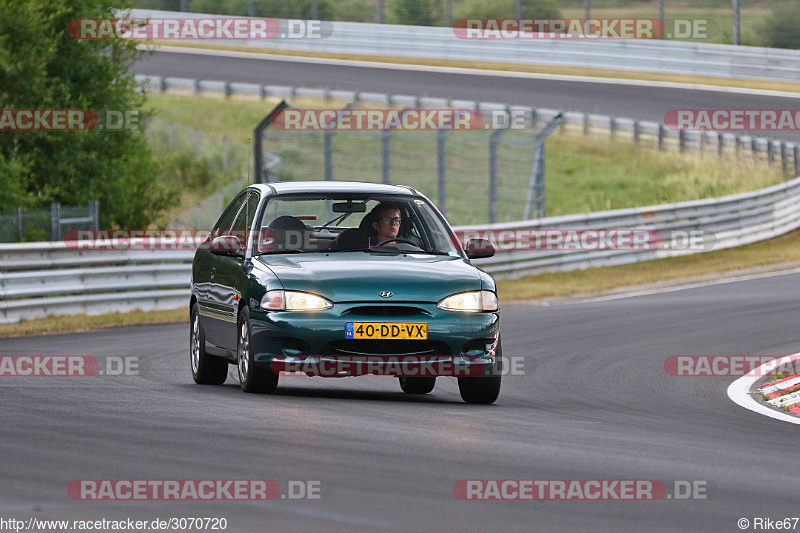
(294, 187)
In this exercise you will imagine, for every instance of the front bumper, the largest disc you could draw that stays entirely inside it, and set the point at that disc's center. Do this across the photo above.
(314, 343)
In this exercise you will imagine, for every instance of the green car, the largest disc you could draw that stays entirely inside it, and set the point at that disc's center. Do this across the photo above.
(338, 279)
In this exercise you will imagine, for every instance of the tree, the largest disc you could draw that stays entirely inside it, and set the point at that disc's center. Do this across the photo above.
(780, 30)
(529, 9)
(416, 12)
(42, 67)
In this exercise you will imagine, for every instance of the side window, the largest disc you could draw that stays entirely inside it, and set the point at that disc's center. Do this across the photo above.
(226, 220)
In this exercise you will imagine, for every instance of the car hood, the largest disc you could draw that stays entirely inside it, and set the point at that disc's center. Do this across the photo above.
(361, 276)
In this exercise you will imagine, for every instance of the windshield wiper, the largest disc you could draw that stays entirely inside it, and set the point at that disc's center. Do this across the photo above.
(425, 252)
(288, 251)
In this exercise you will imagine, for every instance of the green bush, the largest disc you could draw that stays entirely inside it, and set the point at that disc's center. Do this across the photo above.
(532, 9)
(353, 11)
(782, 28)
(416, 12)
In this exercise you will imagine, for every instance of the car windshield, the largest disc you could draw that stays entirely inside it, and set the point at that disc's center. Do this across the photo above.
(353, 223)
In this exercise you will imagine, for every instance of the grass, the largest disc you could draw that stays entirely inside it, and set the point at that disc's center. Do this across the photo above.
(584, 173)
(719, 19)
(75, 323)
(514, 67)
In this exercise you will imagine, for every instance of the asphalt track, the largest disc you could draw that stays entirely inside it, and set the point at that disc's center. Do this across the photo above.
(622, 100)
(594, 403)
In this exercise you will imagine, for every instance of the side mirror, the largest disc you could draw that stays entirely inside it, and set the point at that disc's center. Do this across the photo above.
(228, 245)
(479, 248)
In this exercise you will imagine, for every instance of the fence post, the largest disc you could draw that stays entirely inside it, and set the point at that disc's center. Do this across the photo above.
(738, 140)
(327, 150)
(754, 147)
(536, 187)
(796, 158)
(493, 138)
(784, 165)
(19, 223)
(721, 144)
(586, 123)
(660, 140)
(258, 144)
(386, 149)
(612, 127)
(162, 84)
(96, 214)
(637, 131)
(770, 152)
(55, 221)
(681, 140)
(441, 170)
(702, 141)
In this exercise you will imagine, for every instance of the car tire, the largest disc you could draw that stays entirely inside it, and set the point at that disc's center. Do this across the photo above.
(482, 389)
(417, 385)
(252, 378)
(206, 369)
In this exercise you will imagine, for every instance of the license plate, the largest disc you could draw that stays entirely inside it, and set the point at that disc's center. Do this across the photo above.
(386, 330)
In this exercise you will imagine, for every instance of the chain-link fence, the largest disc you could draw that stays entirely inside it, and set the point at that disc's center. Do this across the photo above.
(220, 154)
(27, 225)
(473, 176)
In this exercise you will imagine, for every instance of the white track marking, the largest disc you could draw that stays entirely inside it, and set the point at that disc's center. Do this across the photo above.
(470, 71)
(739, 392)
(683, 287)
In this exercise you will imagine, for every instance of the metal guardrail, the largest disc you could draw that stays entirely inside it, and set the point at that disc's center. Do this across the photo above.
(50, 278)
(640, 130)
(673, 57)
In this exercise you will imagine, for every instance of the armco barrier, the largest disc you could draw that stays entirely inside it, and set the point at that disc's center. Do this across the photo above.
(37, 279)
(672, 57)
(787, 153)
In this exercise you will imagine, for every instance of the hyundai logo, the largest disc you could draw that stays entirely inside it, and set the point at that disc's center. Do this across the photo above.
(386, 294)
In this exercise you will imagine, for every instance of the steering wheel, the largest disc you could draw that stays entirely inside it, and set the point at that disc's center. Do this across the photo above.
(398, 239)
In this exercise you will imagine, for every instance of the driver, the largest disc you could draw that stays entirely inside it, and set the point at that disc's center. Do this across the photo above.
(387, 222)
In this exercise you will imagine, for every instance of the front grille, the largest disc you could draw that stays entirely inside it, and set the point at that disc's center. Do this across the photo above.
(386, 347)
(385, 311)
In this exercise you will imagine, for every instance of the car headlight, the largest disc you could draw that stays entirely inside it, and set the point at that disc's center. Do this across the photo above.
(280, 300)
(471, 302)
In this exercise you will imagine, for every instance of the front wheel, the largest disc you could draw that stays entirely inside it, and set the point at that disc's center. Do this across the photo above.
(206, 369)
(417, 385)
(251, 377)
(483, 389)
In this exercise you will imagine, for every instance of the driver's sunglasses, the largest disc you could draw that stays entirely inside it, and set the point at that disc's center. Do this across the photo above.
(395, 221)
